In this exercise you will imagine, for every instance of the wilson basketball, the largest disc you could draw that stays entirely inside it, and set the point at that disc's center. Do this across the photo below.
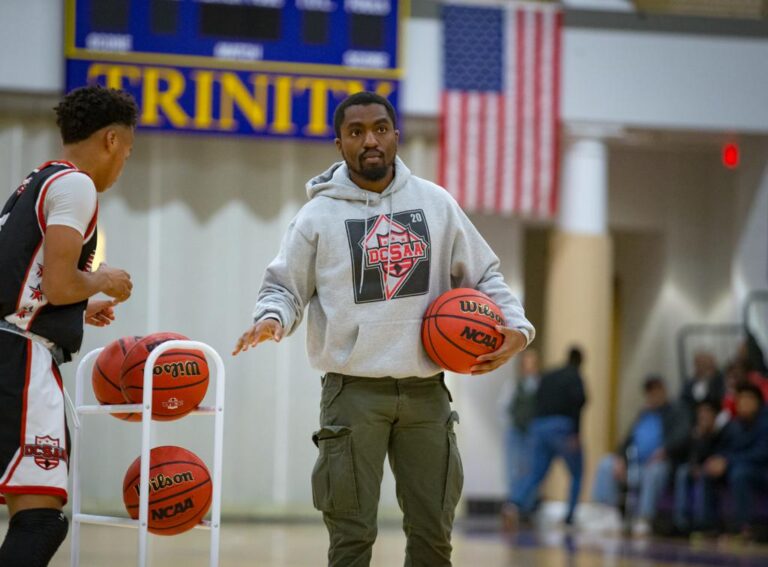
(180, 490)
(459, 326)
(106, 375)
(180, 377)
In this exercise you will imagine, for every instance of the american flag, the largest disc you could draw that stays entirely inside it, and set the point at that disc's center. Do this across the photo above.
(500, 108)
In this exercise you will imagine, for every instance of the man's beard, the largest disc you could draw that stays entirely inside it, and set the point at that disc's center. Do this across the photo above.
(374, 173)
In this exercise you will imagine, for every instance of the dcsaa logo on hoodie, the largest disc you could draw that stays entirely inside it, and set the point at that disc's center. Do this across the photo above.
(390, 256)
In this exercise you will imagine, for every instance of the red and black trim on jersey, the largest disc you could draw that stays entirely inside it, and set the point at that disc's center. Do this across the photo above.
(22, 235)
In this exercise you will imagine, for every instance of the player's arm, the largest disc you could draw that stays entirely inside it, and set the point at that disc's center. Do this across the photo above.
(63, 283)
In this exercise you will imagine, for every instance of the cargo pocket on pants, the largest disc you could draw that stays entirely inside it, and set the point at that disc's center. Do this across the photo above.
(334, 488)
(454, 477)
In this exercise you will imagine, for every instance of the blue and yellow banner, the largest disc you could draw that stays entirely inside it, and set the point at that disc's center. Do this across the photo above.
(249, 67)
(229, 101)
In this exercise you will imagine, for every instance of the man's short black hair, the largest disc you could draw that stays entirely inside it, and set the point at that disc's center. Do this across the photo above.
(575, 356)
(653, 381)
(750, 388)
(363, 98)
(86, 110)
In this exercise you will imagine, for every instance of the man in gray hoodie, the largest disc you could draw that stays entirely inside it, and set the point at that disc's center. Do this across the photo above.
(369, 252)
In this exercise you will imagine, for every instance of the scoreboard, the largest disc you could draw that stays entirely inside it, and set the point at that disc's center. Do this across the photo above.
(257, 67)
(356, 36)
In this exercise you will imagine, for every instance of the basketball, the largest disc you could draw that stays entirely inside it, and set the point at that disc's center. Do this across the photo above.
(459, 326)
(106, 375)
(180, 377)
(179, 490)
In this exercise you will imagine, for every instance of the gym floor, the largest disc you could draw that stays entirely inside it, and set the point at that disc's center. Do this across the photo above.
(262, 544)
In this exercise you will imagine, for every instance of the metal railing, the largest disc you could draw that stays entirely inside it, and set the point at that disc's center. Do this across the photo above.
(723, 340)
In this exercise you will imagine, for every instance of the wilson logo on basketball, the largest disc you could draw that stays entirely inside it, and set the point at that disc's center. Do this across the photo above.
(172, 510)
(161, 482)
(481, 309)
(176, 369)
(479, 337)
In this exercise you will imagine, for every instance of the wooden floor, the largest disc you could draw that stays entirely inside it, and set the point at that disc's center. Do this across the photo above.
(304, 545)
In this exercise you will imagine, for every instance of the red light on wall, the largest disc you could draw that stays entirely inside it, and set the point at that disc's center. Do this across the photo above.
(730, 156)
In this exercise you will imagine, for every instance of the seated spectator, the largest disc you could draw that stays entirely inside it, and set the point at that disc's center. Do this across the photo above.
(704, 441)
(742, 463)
(706, 384)
(657, 437)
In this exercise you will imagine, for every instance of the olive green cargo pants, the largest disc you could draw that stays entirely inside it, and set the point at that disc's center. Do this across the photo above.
(361, 421)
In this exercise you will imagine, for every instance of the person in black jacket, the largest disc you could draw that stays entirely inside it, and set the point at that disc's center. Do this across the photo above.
(555, 429)
(704, 441)
(656, 439)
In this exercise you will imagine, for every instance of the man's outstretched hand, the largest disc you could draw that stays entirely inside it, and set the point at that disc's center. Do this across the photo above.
(268, 329)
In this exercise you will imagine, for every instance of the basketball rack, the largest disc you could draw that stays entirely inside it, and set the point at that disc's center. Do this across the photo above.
(78, 517)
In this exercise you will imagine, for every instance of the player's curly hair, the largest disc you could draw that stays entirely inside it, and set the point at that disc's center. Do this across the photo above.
(86, 110)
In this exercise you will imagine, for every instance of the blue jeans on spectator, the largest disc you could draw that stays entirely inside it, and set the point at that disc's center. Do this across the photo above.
(553, 436)
(692, 511)
(519, 445)
(653, 479)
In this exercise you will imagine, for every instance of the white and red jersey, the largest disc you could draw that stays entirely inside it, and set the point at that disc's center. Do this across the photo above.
(56, 193)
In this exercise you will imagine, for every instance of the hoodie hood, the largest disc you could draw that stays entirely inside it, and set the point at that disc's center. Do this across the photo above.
(336, 184)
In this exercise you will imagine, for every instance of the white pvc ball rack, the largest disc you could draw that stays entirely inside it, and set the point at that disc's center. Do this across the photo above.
(81, 382)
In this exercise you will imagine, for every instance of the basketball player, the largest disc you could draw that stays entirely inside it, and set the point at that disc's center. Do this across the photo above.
(47, 243)
(369, 252)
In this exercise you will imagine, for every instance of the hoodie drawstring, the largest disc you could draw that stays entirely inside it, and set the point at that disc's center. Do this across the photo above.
(389, 236)
(365, 244)
(365, 241)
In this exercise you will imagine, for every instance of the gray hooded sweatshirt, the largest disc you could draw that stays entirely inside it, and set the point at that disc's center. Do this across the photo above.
(368, 265)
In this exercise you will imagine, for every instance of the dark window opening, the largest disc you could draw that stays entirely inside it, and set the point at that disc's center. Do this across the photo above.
(110, 15)
(164, 17)
(366, 32)
(244, 22)
(314, 27)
